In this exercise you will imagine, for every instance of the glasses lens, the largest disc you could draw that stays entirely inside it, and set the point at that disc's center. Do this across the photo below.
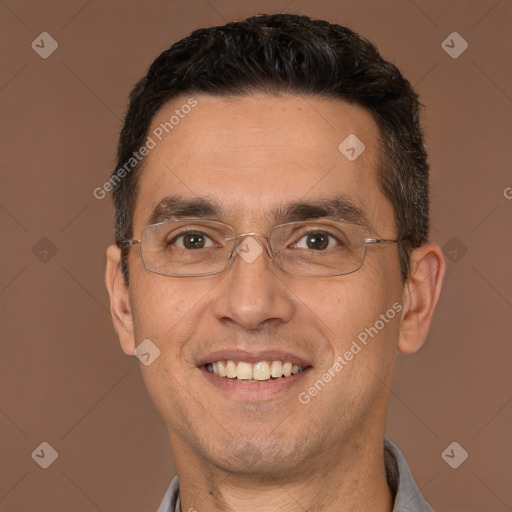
(187, 248)
(319, 248)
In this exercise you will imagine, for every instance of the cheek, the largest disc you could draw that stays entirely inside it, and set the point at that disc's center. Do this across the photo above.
(350, 306)
(167, 312)
(165, 309)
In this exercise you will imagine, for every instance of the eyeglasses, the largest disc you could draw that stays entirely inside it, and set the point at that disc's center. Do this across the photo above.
(192, 248)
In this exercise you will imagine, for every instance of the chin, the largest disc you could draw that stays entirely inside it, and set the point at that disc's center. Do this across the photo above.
(257, 456)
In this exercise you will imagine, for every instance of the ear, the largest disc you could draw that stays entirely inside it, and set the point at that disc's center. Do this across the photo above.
(120, 308)
(421, 292)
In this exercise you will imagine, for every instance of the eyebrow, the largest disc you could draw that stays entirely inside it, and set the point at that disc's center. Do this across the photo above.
(339, 208)
(177, 207)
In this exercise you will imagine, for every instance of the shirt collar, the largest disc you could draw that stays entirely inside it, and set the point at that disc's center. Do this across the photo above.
(400, 481)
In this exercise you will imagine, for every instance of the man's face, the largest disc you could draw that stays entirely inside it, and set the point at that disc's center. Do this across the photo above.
(252, 156)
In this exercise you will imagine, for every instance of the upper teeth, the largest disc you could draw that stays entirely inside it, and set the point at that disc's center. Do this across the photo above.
(262, 370)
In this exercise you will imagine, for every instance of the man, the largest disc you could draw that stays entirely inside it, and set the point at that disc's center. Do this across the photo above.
(272, 256)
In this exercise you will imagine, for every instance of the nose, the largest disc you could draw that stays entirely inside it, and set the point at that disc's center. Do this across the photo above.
(252, 295)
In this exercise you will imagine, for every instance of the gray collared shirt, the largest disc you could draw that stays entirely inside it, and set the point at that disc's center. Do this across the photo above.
(407, 496)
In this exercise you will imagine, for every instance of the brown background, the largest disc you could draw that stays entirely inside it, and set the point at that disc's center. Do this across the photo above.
(63, 377)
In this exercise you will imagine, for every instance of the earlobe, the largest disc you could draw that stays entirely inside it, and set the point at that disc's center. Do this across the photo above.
(421, 292)
(120, 307)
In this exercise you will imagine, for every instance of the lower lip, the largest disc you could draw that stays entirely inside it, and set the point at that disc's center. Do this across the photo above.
(253, 390)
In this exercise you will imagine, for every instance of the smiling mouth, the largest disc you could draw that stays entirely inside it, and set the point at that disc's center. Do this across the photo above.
(257, 372)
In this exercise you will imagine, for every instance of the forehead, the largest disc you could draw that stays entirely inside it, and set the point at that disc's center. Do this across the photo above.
(254, 153)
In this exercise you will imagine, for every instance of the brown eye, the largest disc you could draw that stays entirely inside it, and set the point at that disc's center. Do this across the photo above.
(318, 241)
(193, 241)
